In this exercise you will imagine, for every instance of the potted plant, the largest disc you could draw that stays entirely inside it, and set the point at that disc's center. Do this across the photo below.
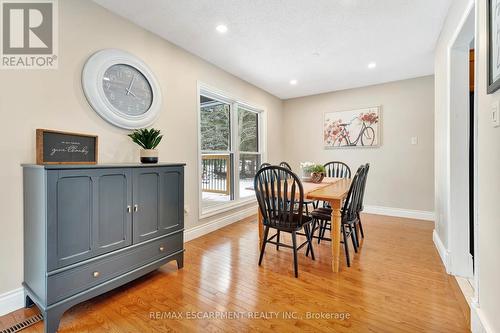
(312, 172)
(148, 140)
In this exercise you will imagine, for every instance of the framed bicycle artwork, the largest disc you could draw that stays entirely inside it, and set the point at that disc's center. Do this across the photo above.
(354, 128)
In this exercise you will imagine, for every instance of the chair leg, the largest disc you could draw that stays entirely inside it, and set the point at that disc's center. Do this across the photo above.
(346, 246)
(361, 226)
(361, 229)
(321, 227)
(314, 226)
(356, 233)
(353, 238)
(264, 242)
(294, 242)
(309, 233)
(277, 240)
(306, 232)
(323, 232)
(320, 230)
(356, 230)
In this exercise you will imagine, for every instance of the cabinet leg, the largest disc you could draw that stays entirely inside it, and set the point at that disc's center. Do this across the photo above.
(51, 320)
(180, 261)
(28, 303)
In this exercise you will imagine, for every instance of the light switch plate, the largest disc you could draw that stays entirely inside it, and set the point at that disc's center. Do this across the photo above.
(495, 114)
(414, 140)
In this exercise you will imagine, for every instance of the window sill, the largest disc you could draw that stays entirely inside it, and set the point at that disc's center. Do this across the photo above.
(224, 207)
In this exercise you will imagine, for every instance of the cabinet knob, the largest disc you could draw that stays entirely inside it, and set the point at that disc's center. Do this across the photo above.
(162, 248)
(136, 208)
(96, 274)
(129, 209)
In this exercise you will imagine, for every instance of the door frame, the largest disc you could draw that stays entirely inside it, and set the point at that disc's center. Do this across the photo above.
(460, 261)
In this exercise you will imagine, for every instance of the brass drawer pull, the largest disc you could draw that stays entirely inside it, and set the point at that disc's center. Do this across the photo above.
(96, 274)
(162, 248)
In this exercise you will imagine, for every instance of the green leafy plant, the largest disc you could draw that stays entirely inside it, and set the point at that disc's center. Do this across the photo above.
(147, 139)
(309, 167)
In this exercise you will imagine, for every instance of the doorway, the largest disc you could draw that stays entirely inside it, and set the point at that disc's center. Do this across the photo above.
(462, 144)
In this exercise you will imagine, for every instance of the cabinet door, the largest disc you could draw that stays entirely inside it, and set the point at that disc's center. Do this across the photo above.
(158, 202)
(172, 199)
(87, 214)
(113, 213)
(146, 199)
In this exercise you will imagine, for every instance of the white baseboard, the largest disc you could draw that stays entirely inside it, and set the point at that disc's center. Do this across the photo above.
(11, 301)
(399, 212)
(443, 252)
(218, 223)
(478, 322)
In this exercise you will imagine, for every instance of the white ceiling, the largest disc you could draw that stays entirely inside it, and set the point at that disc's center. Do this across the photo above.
(270, 42)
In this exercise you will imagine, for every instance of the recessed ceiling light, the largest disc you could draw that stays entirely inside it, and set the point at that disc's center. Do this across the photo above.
(221, 28)
(293, 82)
(372, 65)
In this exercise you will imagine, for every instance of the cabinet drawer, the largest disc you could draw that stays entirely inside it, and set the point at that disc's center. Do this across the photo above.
(87, 275)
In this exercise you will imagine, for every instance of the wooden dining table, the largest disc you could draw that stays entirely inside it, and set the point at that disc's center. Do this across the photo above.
(333, 191)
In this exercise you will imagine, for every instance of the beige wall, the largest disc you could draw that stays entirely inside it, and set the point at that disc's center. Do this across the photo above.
(401, 174)
(488, 223)
(54, 99)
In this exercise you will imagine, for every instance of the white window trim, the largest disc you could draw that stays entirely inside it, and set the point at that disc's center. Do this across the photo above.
(209, 91)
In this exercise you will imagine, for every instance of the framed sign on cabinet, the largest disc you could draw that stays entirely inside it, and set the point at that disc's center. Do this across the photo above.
(57, 147)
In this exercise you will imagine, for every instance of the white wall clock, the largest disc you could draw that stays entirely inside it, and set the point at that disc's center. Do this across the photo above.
(121, 89)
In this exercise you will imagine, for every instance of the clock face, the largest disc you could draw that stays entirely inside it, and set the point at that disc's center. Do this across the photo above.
(127, 89)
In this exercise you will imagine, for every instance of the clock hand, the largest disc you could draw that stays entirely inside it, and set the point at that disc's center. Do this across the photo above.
(131, 93)
(130, 86)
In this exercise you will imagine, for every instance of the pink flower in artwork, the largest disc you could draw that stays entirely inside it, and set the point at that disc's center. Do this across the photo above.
(331, 131)
(370, 118)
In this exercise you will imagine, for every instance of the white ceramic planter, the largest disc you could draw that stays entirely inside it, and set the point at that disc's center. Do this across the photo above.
(149, 156)
(306, 176)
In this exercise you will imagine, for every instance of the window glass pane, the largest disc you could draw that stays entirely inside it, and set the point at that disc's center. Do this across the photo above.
(249, 131)
(216, 178)
(215, 125)
(249, 164)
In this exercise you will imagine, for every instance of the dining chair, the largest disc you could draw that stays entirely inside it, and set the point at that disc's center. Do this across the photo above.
(361, 201)
(263, 165)
(280, 196)
(337, 169)
(358, 225)
(306, 202)
(285, 165)
(349, 215)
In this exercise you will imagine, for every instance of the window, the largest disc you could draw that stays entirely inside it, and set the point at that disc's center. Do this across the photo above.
(216, 154)
(230, 150)
(250, 157)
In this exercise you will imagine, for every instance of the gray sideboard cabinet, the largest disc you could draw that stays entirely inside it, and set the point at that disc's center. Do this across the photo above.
(91, 228)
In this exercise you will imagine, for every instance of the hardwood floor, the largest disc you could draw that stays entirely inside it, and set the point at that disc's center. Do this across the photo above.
(396, 284)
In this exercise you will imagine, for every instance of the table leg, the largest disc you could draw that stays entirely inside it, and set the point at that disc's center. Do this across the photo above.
(336, 221)
(261, 227)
